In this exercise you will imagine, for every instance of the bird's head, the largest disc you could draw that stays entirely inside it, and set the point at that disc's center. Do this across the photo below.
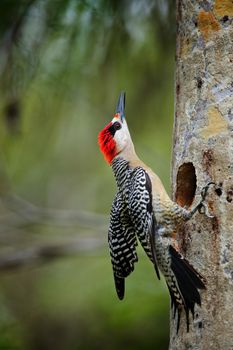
(115, 138)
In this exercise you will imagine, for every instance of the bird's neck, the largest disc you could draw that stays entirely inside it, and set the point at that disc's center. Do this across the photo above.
(123, 164)
(128, 153)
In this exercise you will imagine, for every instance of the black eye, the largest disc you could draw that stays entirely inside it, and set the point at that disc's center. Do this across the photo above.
(117, 126)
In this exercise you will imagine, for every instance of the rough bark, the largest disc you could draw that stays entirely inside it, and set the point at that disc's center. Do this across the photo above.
(203, 152)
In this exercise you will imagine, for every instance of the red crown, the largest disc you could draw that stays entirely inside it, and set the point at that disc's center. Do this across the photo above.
(107, 144)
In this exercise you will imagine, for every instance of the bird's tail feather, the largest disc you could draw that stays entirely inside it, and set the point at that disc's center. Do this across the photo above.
(188, 282)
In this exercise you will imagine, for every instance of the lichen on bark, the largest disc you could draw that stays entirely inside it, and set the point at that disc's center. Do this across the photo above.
(203, 136)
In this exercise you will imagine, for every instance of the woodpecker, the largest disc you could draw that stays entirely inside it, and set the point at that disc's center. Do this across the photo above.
(142, 211)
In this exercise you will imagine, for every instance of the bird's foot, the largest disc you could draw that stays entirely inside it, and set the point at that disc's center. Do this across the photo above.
(203, 207)
(205, 189)
(205, 210)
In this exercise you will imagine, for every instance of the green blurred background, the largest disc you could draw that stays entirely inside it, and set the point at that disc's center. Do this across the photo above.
(62, 66)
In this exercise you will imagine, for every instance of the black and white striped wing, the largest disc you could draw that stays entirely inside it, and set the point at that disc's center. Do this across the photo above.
(141, 212)
(122, 243)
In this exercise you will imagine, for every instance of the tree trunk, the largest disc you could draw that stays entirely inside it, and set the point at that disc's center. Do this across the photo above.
(203, 152)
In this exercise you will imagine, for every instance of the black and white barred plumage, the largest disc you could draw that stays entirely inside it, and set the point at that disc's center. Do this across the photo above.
(132, 217)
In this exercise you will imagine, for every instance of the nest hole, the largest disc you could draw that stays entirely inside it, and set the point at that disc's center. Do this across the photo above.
(186, 183)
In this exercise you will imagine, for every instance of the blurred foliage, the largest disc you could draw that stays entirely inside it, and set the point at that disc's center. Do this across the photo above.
(62, 65)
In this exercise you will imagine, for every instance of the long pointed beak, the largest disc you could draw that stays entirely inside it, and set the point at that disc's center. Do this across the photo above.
(121, 105)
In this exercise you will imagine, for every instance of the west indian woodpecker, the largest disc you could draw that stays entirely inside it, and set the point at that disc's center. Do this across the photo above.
(142, 210)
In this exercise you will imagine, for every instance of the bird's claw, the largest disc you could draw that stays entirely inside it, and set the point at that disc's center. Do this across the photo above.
(203, 209)
(205, 189)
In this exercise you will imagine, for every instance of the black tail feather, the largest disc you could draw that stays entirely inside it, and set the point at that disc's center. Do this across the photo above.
(188, 282)
(196, 277)
(120, 286)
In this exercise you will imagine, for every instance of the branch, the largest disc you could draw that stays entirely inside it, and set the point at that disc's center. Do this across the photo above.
(46, 253)
(27, 213)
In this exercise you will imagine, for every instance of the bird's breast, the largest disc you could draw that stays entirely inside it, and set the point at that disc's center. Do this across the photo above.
(163, 213)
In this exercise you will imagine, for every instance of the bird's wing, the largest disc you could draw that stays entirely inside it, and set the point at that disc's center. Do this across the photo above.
(141, 212)
(122, 243)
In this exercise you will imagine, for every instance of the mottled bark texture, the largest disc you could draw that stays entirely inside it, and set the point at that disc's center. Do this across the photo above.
(203, 152)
